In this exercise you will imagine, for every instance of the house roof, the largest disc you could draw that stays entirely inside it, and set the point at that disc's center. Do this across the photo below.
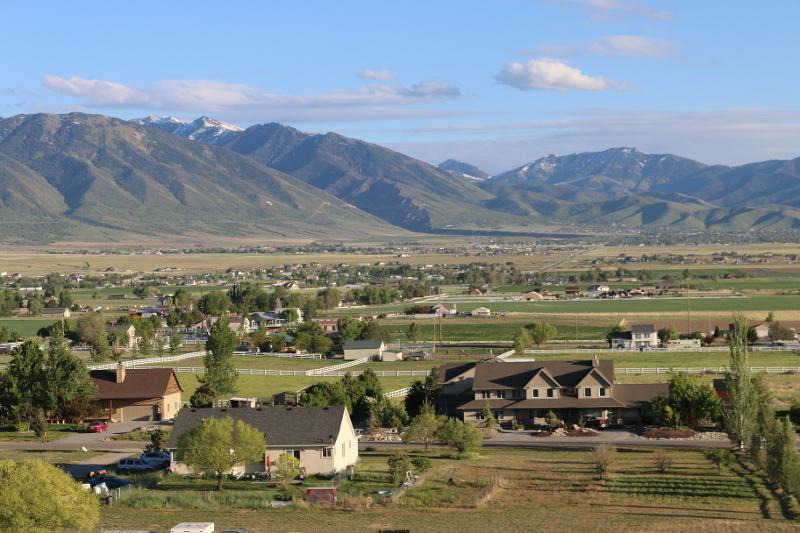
(507, 375)
(368, 344)
(645, 329)
(453, 370)
(138, 383)
(636, 394)
(281, 426)
(563, 402)
(123, 328)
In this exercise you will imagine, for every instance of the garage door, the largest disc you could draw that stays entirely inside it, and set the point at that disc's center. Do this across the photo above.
(138, 412)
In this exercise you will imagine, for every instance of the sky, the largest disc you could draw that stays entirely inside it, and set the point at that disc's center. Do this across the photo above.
(494, 83)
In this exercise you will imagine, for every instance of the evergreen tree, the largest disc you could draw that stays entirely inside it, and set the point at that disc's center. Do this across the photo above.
(220, 377)
(740, 410)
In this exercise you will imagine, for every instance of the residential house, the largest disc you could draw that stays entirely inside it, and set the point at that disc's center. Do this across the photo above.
(572, 291)
(445, 309)
(297, 311)
(132, 394)
(201, 329)
(532, 296)
(327, 324)
(56, 312)
(597, 291)
(321, 438)
(683, 344)
(239, 324)
(574, 390)
(365, 348)
(270, 320)
(640, 337)
(762, 331)
(125, 334)
(481, 312)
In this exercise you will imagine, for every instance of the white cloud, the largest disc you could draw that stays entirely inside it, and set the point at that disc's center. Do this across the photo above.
(207, 96)
(381, 74)
(550, 75)
(633, 46)
(612, 9)
(726, 136)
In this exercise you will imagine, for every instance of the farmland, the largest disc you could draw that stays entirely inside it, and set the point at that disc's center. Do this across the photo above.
(457, 495)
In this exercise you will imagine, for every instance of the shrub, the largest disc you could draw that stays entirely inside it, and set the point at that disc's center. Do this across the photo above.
(602, 457)
(663, 461)
(421, 464)
(399, 466)
(719, 457)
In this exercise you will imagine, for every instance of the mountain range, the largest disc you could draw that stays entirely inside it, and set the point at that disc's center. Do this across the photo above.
(79, 177)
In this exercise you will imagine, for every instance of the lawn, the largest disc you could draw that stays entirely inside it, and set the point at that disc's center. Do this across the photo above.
(266, 386)
(270, 363)
(54, 432)
(634, 359)
(58, 457)
(27, 327)
(495, 329)
(502, 489)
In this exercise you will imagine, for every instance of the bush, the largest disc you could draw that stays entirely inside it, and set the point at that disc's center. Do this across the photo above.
(602, 457)
(663, 461)
(719, 457)
(399, 466)
(421, 464)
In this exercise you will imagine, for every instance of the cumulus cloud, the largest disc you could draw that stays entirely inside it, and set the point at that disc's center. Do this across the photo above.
(549, 75)
(612, 9)
(381, 74)
(207, 96)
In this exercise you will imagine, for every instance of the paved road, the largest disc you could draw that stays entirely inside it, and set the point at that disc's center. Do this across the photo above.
(90, 441)
(81, 469)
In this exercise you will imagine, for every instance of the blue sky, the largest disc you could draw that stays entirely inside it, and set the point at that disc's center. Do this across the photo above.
(496, 83)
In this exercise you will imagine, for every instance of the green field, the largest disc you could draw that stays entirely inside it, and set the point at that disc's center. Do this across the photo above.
(25, 326)
(536, 490)
(266, 386)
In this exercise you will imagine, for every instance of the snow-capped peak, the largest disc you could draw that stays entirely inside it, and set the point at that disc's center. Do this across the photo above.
(205, 129)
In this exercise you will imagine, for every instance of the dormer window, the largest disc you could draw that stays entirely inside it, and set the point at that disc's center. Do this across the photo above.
(587, 392)
(534, 393)
(550, 393)
(602, 391)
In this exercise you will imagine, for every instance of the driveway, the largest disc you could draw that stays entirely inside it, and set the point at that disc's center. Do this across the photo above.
(81, 469)
(90, 441)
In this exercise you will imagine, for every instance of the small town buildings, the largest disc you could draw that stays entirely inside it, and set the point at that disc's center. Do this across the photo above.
(322, 438)
(526, 392)
(201, 328)
(762, 331)
(481, 312)
(372, 348)
(597, 291)
(56, 312)
(572, 291)
(239, 324)
(131, 394)
(683, 344)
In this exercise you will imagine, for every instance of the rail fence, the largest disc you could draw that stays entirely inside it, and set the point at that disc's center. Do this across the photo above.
(399, 393)
(132, 363)
(302, 373)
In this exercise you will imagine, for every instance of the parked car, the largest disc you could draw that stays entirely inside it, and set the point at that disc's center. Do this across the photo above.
(160, 459)
(594, 422)
(134, 464)
(97, 426)
(112, 482)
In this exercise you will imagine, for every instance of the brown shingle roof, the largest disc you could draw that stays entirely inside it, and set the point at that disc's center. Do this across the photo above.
(516, 375)
(281, 426)
(453, 370)
(564, 402)
(643, 329)
(138, 383)
(638, 394)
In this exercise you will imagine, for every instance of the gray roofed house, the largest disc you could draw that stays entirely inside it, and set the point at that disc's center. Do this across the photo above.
(322, 438)
(363, 348)
(573, 390)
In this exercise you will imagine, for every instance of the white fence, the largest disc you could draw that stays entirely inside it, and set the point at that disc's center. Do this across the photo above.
(601, 351)
(399, 393)
(709, 370)
(285, 355)
(132, 363)
(302, 373)
(327, 370)
(505, 355)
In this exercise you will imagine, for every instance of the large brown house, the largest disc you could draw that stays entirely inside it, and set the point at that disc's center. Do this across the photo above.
(528, 391)
(128, 394)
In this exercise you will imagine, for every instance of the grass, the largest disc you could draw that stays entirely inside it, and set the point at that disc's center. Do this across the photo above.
(49, 456)
(27, 327)
(266, 386)
(54, 432)
(676, 359)
(539, 490)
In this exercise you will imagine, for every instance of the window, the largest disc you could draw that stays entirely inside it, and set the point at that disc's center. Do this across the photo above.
(486, 394)
(534, 393)
(498, 415)
(550, 393)
(501, 394)
(294, 453)
(327, 452)
(587, 392)
(602, 391)
(479, 415)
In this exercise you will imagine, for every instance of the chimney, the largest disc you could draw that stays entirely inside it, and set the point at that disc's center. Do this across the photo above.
(120, 373)
(595, 362)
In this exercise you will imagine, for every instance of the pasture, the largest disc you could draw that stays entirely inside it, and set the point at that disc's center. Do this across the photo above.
(503, 489)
